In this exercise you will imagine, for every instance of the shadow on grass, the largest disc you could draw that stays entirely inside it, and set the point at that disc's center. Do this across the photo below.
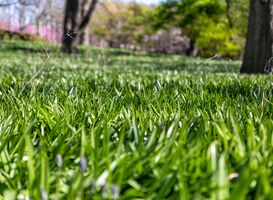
(28, 47)
(179, 64)
(126, 58)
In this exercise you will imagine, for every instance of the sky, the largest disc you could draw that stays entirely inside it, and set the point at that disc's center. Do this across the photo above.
(149, 2)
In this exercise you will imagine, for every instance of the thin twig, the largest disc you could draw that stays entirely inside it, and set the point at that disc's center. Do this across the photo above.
(35, 75)
(208, 59)
(68, 34)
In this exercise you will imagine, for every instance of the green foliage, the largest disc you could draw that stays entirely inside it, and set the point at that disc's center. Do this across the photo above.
(208, 23)
(121, 23)
(110, 124)
(191, 15)
(217, 39)
(238, 16)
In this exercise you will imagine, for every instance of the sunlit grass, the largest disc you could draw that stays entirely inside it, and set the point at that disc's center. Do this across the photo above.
(106, 124)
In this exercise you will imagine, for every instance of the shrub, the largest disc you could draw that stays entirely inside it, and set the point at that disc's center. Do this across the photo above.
(217, 39)
(8, 35)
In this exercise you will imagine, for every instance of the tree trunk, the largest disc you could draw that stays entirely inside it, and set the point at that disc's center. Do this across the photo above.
(192, 51)
(69, 45)
(258, 49)
(75, 22)
(229, 13)
(70, 26)
(37, 27)
(84, 37)
(21, 17)
(84, 34)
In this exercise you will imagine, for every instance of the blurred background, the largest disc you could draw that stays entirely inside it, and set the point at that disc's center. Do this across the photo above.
(190, 27)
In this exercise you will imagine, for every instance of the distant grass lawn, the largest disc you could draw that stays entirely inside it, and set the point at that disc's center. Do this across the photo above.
(114, 124)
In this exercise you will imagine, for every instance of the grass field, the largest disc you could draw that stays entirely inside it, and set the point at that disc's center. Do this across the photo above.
(112, 124)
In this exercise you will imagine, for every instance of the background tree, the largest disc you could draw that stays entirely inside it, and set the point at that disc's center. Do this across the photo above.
(84, 35)
(7, 3)
(121, 24)
(75, 21)
(210, 24)
(258, 49)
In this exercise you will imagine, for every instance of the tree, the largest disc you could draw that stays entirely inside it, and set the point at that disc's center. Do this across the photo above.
(214, 26)
(259, 42)
(121, 24)
(25, 9)
(75, 22)
(84, 35)
(8, 3)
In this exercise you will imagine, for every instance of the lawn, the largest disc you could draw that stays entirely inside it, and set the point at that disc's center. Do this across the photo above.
(116, 124)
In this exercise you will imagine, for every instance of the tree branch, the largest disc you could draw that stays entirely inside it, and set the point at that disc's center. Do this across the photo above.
(22, 2)
(8, 4)
(87, 16)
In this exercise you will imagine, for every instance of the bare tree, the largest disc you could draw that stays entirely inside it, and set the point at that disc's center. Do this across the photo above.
(23, 8)
(75, 22)
(259, 43)
(21, 17)
(8, 3)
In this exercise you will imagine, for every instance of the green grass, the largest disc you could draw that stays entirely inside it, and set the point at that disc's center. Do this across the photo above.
(111, 124)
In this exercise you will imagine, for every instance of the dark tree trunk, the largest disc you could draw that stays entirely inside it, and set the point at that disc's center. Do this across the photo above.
(258, 49)
(70, 26)
(69, 45)
(192, 51)
(75, 22)
(229, 13)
